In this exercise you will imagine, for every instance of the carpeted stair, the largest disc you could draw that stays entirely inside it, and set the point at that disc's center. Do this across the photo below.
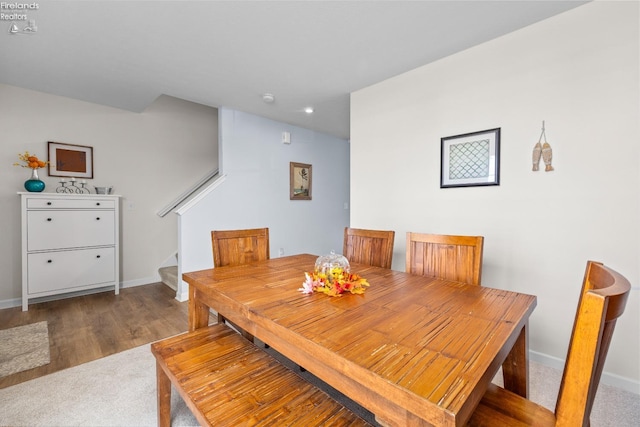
(169, 276)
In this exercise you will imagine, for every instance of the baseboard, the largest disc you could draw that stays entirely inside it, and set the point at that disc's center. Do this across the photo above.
(17, 302)
(183, 292)
(139, 282)
(607, 378)
(10, 303)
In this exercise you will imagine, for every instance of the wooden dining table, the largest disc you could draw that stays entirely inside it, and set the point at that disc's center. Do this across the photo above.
(413, 350)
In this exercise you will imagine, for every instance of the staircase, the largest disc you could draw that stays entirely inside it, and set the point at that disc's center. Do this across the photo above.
(169, 276)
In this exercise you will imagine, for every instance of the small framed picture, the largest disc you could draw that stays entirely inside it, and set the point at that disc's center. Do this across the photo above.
(70, 160)
(470, 159)
(299, 181)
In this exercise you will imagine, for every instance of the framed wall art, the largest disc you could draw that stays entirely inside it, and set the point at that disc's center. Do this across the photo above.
(299, 181)
(70, 160)
(470, 159)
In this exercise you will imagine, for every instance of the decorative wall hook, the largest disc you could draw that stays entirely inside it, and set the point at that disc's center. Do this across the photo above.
(544, 151)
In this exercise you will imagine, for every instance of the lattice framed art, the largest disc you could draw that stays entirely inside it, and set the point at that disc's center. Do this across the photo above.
(471, 159)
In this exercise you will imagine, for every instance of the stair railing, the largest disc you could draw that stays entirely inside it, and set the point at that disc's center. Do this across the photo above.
(184, 196)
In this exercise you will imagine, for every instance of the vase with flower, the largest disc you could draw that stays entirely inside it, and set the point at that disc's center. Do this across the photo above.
(332, 276)
(34, 184)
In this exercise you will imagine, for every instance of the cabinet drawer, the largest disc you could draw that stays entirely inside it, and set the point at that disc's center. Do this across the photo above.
(69, 229)
(66, 270)
(70, 203)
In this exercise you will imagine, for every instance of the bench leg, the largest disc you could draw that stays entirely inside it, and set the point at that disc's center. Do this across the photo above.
(164, 397)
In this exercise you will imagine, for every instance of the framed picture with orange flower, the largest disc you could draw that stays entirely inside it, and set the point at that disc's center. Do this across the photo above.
(70, 160)
(299, 181)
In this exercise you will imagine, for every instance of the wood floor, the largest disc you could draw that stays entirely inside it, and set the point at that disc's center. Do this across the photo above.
(85, 328)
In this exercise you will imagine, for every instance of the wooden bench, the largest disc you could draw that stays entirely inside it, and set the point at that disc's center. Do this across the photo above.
(226, 380)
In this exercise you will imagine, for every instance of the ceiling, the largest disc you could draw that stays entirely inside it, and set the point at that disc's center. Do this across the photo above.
(125, 54)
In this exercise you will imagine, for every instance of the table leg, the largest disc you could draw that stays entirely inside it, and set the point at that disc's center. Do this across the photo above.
(515, 368)
(164, 397)
(198, 312)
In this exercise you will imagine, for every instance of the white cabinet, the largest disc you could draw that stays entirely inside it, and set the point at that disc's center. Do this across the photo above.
(69, 243)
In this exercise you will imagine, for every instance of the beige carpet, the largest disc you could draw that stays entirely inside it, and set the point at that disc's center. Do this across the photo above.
(23, 347)
(120, 390)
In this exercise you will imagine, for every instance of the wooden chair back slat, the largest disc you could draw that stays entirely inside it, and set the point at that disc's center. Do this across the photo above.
(370, 247)
(236, 247)
(457, 258)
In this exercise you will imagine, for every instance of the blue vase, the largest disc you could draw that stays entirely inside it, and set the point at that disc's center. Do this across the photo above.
(33, 184)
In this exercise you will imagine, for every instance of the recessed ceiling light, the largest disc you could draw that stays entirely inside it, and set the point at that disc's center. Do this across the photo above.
(268, 98)
(308, 110)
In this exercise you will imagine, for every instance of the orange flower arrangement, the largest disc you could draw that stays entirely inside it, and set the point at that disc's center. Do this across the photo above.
(30, 161)
(334, 284)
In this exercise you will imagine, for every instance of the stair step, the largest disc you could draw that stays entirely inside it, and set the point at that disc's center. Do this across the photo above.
(169, 276)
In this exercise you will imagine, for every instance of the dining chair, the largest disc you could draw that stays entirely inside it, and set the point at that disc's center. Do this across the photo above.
(602, 300)
(370, 247)
(446, 257)
(237, 247)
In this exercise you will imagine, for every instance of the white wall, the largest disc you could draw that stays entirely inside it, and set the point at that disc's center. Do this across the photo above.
(150, 158)
(255, 192)
(579, 73)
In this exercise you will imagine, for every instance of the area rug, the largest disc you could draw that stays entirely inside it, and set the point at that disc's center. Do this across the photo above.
(114, 391)
(23, 347)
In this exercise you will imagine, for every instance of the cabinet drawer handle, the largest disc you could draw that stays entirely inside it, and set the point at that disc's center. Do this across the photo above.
(97, 256)
(97, 218)
(49, 203)
(49, 261)
(49, 219)
(98, 204)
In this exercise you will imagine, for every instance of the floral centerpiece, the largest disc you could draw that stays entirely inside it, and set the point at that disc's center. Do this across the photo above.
(332, 276)
(334, 283)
